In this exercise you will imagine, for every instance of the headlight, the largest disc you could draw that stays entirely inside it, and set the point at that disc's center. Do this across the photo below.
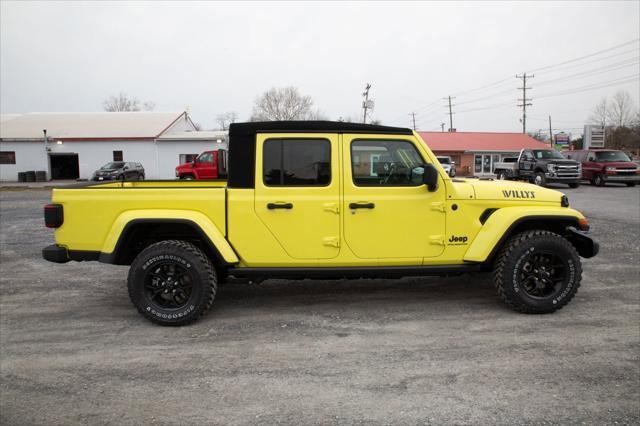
(609, 168)
(551, 167)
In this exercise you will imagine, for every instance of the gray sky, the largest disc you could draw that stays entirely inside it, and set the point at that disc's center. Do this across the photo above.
(217, 57)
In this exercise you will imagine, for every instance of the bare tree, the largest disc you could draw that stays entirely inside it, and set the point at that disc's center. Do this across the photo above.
(599, 115)
(123, 102)
(620, 111)
(225, 119)
(284, 104)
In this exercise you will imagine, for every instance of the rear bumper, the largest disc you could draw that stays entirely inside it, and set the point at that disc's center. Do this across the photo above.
(585, 245)
(59, 254)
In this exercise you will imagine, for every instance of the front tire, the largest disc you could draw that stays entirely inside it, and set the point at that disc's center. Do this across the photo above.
(598, 180)
(631, 184)
(172, 283)
(187, 177)
(574, 185)
(537, 272)
(539, 179)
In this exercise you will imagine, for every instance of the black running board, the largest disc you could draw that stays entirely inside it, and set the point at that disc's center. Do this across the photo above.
(354, 272)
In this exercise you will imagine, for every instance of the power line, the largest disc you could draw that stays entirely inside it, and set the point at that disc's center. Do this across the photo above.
(585, 56)
(617, 55)
(622, 80)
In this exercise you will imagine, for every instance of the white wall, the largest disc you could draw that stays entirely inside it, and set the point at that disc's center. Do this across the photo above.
(169, 154)
(159, 158)
(94, 154)
(29, 156)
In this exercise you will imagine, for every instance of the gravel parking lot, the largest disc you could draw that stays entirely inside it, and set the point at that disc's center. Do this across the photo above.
(415, 350)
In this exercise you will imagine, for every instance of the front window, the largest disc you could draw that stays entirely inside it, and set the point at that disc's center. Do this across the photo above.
(386, 163)
(113, 165)
(610, 156)
(547, 154)
(205, 157)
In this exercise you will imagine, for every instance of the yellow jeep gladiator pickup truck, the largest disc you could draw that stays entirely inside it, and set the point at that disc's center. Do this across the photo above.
(321, 200)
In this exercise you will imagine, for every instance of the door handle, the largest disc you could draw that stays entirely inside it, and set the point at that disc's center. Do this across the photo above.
(286, 206)
(362, 205)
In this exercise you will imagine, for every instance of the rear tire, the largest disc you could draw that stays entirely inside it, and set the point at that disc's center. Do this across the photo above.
(631, 183)
(537, 272)
(172, 283)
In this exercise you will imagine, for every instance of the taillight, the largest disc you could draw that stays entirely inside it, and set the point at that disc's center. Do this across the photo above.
(53, 217)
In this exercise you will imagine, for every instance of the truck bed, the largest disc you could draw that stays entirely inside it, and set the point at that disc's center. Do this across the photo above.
(94, 212)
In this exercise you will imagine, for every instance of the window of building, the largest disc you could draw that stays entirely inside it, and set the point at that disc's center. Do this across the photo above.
(7, 157)
(117, 156)
(296, 162)
(187, 158)
(385, 163)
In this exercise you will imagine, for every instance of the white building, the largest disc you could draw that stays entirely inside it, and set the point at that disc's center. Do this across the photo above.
(79, 143)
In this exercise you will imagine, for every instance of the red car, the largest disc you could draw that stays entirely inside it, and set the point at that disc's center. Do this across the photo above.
(600, 166)
(208, 165)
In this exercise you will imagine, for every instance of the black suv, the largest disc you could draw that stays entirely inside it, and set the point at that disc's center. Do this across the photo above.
(119, 170)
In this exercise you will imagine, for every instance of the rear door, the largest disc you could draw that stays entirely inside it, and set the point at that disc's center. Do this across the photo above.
(297, 192)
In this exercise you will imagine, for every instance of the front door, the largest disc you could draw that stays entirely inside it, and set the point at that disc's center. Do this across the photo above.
(388, 212)
(297, 193)
(205, 166)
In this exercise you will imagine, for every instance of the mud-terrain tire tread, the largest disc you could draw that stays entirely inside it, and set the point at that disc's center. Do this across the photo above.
(503, 257)
(210, 286)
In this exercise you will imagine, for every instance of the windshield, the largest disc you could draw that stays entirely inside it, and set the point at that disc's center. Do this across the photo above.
(113, 165)
(444, 160)
(606, 156)
(547, 154)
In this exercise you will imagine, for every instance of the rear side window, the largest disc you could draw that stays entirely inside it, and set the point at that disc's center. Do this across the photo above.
(296, 162)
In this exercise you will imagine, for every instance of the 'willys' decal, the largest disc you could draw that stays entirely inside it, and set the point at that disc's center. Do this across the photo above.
(518, 194)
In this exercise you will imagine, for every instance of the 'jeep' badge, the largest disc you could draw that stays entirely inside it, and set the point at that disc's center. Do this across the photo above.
(458, 240)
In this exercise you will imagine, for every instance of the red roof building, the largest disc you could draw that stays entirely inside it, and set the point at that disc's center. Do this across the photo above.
(474, 153)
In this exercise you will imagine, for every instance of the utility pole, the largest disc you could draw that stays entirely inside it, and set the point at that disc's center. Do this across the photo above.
(550, 133)
(450, 112)
(413, 114)
(442, 126)
(365, 103)
(524, 99)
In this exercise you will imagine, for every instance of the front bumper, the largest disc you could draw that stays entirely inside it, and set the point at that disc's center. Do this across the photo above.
(585, 245)
(622, 178)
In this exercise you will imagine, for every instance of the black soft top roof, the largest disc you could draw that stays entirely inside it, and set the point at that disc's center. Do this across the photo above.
(242, 141)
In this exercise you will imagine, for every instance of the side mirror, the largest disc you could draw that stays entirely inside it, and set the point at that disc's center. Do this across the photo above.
(430, 177)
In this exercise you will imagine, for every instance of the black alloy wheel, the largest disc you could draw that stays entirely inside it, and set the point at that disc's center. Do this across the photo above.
(542, 274)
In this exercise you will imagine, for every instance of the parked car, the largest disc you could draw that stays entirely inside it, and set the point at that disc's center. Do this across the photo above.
(119, 170)
(540, 166)
(317, 206)
(448, 165)
(208, 165)
(600, 166)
